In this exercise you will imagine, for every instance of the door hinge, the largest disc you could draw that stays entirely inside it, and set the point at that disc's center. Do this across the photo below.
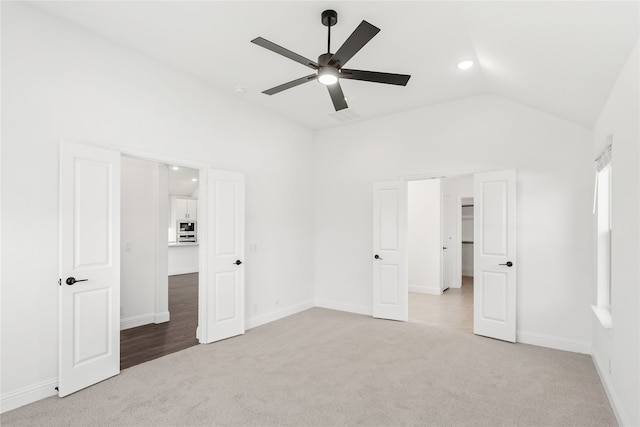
(59, 282)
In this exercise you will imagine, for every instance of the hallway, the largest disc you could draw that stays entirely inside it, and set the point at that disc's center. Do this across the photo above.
(453, 309)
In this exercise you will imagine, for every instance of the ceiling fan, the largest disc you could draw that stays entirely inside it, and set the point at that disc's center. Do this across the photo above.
(328, 69)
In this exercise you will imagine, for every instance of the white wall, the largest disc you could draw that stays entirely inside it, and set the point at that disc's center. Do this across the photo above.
(555, 178)
(620, 347)
(423, 236)
(60, 82)
(141, 213)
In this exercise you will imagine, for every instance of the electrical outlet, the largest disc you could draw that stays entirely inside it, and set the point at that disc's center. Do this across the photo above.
(121, 310)
(128, 246)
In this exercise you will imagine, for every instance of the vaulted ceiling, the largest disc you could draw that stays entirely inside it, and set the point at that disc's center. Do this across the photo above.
(561, 57)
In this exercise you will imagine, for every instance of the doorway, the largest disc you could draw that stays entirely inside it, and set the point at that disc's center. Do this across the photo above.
(494, 294)
(440, 250)
(90, 260)
(159, 260)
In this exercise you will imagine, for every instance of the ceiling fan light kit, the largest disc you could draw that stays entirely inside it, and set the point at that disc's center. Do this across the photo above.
(327, 75)
(329, 68)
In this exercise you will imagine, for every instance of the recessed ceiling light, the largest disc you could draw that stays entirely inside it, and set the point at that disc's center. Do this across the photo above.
(240, 90)
(465, 65)
(175, 168)
(194, 179)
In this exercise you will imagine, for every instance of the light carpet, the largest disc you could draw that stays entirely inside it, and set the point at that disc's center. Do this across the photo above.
(330, 368)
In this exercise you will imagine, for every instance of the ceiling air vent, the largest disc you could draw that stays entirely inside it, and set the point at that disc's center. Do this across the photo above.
(345, 115)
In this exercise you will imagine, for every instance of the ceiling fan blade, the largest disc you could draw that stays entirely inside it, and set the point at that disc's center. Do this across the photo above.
(375, 76)
(289, 85)
(360, 36)
(337, 96)
(285, 52)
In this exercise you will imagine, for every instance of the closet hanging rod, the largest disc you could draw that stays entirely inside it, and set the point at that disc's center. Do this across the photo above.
(467, 206)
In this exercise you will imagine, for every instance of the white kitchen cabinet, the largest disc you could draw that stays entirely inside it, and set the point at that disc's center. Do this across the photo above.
(185, 208)
(181, 208)
(183, 258)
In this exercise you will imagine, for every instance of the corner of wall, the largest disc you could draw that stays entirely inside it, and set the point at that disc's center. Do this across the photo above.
(340, 306)
(263, 319)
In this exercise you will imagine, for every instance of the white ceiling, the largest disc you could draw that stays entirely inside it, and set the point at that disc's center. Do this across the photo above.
(181, 181)
(559, 57)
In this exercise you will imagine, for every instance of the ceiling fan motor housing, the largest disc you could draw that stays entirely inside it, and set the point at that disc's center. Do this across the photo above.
(329, 18)
(323, 60)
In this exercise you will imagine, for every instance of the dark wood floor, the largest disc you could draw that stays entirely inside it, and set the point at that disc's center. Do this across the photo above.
(148, 342)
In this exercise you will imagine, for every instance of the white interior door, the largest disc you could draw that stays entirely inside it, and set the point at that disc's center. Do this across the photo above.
(448, 242)
(390, 286)
(223, 280)
(495, 255)
(89, 291)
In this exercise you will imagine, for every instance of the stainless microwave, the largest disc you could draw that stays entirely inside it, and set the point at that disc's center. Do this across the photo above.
(186, 231)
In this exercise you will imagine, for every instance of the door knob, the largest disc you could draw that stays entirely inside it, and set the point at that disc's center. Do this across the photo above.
(444, 247)
(508, 264)
(377, 256)
(71, 280)
(238, 262)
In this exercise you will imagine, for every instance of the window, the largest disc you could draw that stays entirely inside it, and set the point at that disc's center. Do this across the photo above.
(602, 209)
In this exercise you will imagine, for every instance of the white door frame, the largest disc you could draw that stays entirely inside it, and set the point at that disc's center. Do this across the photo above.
(203, 248)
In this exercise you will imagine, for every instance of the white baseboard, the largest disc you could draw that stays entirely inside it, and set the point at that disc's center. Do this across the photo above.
(183, 271)
(558, 343)
(135, 321)
(159, 318)
(614, 400)
(430, 290)
(334, 305)
(276, 315)
(29, 394)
